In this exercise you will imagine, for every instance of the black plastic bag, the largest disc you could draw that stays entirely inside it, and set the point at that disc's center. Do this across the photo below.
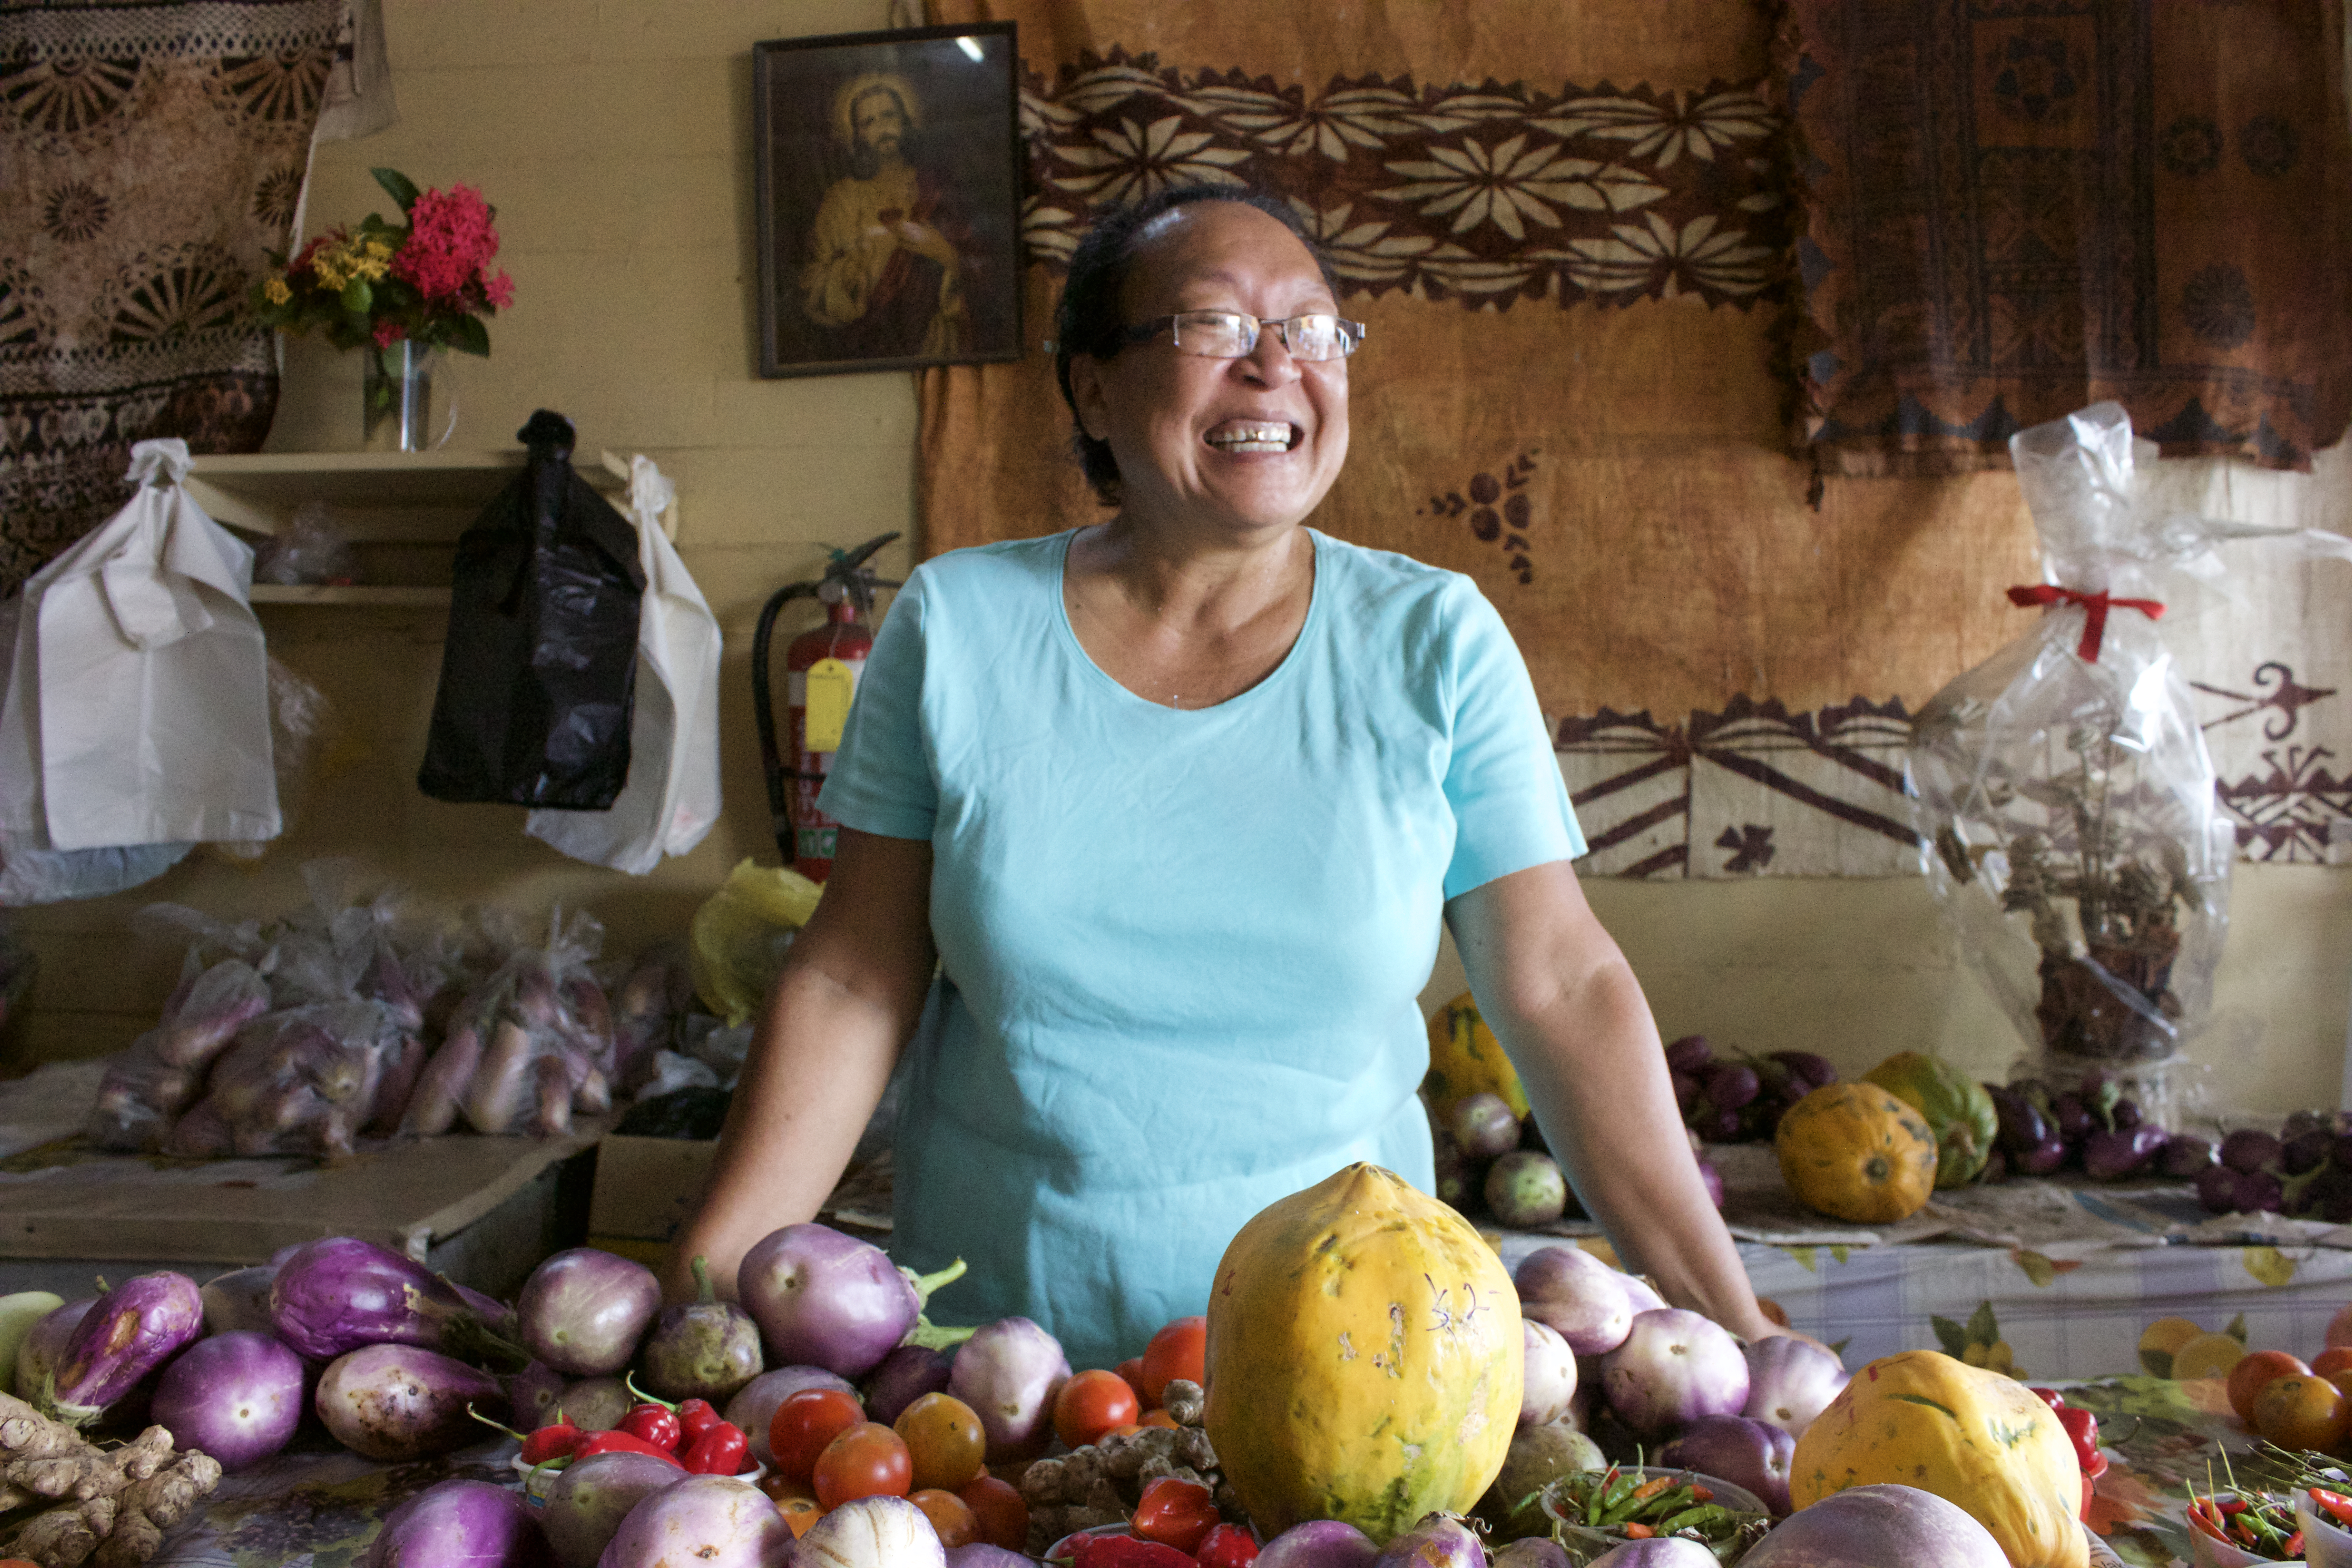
(536, 678)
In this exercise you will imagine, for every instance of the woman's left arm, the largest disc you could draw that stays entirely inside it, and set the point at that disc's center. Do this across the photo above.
(1560, 997)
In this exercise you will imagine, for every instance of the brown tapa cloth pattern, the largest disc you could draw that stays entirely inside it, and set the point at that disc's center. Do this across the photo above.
(2014, 209)
(151, 152)
(1567, 390)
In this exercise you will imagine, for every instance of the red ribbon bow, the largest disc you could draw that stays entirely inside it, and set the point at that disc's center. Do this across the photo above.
(2094, 611)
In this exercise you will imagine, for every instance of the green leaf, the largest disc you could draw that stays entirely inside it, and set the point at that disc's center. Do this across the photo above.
(1983, 1327)
(357, 297)
(1803, 1258)
(399, 186)
(2038, 1268)
(1838, 1349)
(1950, 1335)
(468, 335)
(2237, 1329)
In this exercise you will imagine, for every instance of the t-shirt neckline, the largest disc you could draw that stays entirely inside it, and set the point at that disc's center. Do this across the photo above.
(1292, 656)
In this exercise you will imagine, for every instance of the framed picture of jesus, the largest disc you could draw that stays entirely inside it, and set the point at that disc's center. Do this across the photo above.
(888, 199)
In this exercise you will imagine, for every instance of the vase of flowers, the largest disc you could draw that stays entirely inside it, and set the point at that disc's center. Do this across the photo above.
(402, 294)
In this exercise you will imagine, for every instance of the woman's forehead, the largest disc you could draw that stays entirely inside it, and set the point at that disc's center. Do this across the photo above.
(1210, 245)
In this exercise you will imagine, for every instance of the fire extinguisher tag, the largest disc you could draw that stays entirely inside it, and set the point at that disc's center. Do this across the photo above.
(831, 685)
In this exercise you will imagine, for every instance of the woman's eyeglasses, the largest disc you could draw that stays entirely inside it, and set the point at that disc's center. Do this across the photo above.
(1229, 334)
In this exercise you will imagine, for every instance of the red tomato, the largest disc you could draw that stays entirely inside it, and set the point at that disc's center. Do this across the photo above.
(951, 1518)
(805, 1423)
(1131, 1369)
(1178, 1350)
(1003, 1512)
(866, 1460)
(1227, 1546)
(1090, 1404)
(1176, 1513)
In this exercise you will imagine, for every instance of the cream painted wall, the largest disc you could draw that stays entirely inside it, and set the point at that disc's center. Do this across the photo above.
(613, 140)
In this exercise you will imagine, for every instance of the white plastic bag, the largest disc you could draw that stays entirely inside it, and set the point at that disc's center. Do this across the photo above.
(671, 799)
(138, 703)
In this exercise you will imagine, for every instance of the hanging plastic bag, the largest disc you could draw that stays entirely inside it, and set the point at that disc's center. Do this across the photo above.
(300, 722)
(671, 799)
(538, 671)
(2063, 785)
(138, 702)
(741, 933)
(30, 874)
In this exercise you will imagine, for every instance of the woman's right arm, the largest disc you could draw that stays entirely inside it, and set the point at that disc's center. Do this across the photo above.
(849, 994)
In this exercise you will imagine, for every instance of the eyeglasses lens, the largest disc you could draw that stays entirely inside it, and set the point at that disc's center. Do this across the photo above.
(1222, 334)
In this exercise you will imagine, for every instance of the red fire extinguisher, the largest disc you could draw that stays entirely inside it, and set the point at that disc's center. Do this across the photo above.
(821, 668)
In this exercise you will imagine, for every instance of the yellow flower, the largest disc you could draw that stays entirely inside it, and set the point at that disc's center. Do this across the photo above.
(276, 291)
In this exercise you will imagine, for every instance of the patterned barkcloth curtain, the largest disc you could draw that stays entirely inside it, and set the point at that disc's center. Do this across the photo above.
(148, 154)
(1570, 230)
(2019, 208)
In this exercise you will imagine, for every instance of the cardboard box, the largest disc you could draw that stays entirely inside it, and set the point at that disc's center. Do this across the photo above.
(647, 1187)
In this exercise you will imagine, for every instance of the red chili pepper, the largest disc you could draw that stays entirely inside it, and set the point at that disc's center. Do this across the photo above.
(617, 1441)
(558, 1440)
(2082, 1428)
(2335, 1503)
(719, 1451)
(696, 1416)
(657, 1424)
(1227, 1546)
(2050, 1396)
(2295, 1545)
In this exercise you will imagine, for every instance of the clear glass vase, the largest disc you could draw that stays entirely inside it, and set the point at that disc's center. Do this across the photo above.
(406, 402)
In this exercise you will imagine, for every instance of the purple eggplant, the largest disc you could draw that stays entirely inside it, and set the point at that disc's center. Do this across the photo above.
(906, 1375)
(238, 1299)
(1534, 1552)
(2113, 1156)
(2217, 1189)
(2186, 1157)
(705, 1350)
(1320, 1543)
(40, 1351)
(583, 1310)
(1484, 1125)
(2259, 1192)
(1691, 1054)
(2250, 1149)
(980, 1555)
(461, 1525)
(2304, 1151)
(1713, 1180)
(128, 1332)
(1009, 1372)
(593, 1496)
(823, 1299)
(1439, 1540)
(755, 1405)
(534, 1394)
(599, 1403)
(403, 1402)
(1731, 1086)
(335, 1294)
(2075, 1120)
(1816, 1072)
(1747, 1453)
(2044, 1158)
(717, 1522)
(237, 1395)
(1456, 1178)
(2023, 1125)
(2125, 1115)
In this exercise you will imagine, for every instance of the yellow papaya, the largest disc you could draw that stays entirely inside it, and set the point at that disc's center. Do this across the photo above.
(1464, 1059)
(1363, 1360)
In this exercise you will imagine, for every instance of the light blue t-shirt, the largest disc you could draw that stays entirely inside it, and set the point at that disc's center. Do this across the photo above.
(1180, 949)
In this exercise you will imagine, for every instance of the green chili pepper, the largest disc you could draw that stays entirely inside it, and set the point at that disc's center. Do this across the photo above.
(1699, 1519)
(1611, 1492)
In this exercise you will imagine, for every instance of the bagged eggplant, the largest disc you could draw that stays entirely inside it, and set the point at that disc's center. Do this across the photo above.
(539, 669)
(2063, 788)
(529, 1046)
(302, 1081)
(161, 1074)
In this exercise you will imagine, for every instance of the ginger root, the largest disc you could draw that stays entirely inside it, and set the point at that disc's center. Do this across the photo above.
(111, 1505)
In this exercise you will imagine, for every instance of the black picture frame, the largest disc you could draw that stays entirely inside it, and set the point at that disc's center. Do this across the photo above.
(843, 285)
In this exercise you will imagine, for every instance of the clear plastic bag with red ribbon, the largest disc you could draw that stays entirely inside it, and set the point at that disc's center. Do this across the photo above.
(2063, 787)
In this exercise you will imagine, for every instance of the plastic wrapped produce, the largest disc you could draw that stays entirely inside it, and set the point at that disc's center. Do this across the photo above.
(302, 1081)
(2064, 787)
(162, 1073)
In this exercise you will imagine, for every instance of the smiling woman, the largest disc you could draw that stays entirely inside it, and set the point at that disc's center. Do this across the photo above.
(1176, 805)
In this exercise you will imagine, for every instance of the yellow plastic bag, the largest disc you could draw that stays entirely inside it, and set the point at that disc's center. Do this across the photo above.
(740, 934)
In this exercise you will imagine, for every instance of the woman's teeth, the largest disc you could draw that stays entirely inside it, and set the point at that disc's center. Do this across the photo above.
(1241, 436)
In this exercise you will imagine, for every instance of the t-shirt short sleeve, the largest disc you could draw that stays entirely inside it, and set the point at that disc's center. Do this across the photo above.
(882, 782)
(1510, 805)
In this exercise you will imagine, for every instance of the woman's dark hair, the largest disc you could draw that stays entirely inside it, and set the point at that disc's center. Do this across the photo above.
(1087, 320)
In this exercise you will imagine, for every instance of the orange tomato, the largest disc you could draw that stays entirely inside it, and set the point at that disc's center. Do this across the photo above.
(1178, 1350)
(1158, 1418)
(2332, 1360)
(1002, 1511)
(1091, 1403)
(951, 1518)
(866, 1460)
(2300, 1410)
(2257, 1368)
(946, 1440)
(798, 1512)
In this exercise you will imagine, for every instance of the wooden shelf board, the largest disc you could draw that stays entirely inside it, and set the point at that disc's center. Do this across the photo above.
(383, 595)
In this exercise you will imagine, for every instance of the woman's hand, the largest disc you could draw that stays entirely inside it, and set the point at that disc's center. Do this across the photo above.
(1558, 994)
(849, 994)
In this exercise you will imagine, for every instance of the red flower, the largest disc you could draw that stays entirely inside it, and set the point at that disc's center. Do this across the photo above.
(450, 240)
(499, 291)
(388, 333)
